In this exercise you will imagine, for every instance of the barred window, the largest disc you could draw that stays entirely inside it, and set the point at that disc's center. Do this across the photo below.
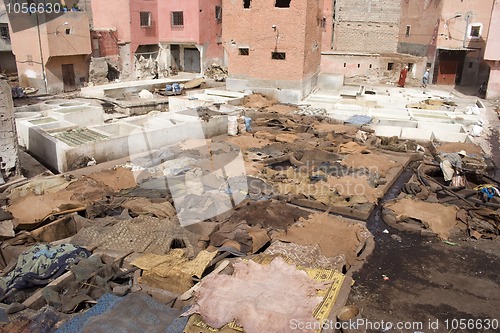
(278, 55)
(218, 13)
(244, 51)
(4, 31)
(475, 31)
(145, 19)
(177, 19)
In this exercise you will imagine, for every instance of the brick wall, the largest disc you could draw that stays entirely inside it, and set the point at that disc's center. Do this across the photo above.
(8, 136)
(367, 25)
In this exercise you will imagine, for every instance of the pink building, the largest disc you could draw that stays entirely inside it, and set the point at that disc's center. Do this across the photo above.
(194, 33)
(182, 34)
(52, 50)
(492, 54)
(273, 46)
(452, 34)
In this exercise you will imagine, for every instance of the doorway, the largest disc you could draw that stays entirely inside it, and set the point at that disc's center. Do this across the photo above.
(447, 72)
(68, 74)
(192, 61)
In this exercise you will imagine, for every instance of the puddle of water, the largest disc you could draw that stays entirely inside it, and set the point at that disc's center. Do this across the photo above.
(375, 223)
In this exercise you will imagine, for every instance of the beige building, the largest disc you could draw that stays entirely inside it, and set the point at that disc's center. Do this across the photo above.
(273, 46)
(451, 34)
(52, 50)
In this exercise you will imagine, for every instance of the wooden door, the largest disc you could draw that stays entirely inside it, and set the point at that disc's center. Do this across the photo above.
(68, 73)
(447, 72)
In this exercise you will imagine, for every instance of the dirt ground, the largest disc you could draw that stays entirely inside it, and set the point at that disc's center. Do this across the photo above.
(430, 286)
(428, 281)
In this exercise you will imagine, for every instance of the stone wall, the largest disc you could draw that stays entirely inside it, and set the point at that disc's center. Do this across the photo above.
(367, 25)
(8, 137)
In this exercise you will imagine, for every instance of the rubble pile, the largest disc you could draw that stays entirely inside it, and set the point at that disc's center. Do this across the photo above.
(210, 234)
(216, 72)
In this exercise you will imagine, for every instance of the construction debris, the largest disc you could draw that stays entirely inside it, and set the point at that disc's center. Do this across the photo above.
(216, 73)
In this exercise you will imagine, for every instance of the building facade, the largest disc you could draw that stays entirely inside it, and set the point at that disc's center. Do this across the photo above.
(366, 26)
(451, 34)
(153, 38)
(360, 41)
(7, 58)
(52, 50)
(492, 53)
(273, 46)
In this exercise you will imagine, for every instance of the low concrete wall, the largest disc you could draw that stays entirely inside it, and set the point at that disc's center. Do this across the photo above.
(330, 81)
(284, 91)
(129, 137)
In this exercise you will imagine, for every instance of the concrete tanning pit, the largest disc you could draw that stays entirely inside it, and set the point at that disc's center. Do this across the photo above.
(59, 144)
(409, 114)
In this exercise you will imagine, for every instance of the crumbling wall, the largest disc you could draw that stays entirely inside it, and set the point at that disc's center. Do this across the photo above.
(367, 26)
(8, 137)
(104, 70)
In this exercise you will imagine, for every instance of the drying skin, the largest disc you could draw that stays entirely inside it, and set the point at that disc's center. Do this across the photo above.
(259, 298)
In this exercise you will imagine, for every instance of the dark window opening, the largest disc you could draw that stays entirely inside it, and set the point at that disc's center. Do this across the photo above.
(145, 19)
(244, 51)
(278, 55)
(4, 32)
(408, 28)
(282, 4)
(470, 64)
(390, 66)
(218, 13)
(359, 65)
(246, 3)
(370, 65)
(177, 19)
(345, 64)
(410, 67)
(323, 23)
(429, 65)
(475, 30)
(68, 31)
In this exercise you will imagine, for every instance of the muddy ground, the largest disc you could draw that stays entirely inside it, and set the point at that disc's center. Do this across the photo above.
(428, 282)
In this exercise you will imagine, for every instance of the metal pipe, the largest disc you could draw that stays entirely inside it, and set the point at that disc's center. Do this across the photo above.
(467, 18)
(41, 53)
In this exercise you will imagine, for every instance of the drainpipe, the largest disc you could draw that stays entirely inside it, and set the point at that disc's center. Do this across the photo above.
(41, 54)
(467, 19)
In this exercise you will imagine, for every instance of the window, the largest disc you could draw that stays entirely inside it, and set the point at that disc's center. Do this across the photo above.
(145, 19)
(345, 64)
(390, 66)
(218, 13)
(243, 51)
(246, 3)
(370, 65)
(475, 31)
(323, 23)
(177, 19)
(470, 64)
(282, 4)
(408, 28)
(278, 55)
(4, 31)
(359, 65)
(68, 31)
(410, 67)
